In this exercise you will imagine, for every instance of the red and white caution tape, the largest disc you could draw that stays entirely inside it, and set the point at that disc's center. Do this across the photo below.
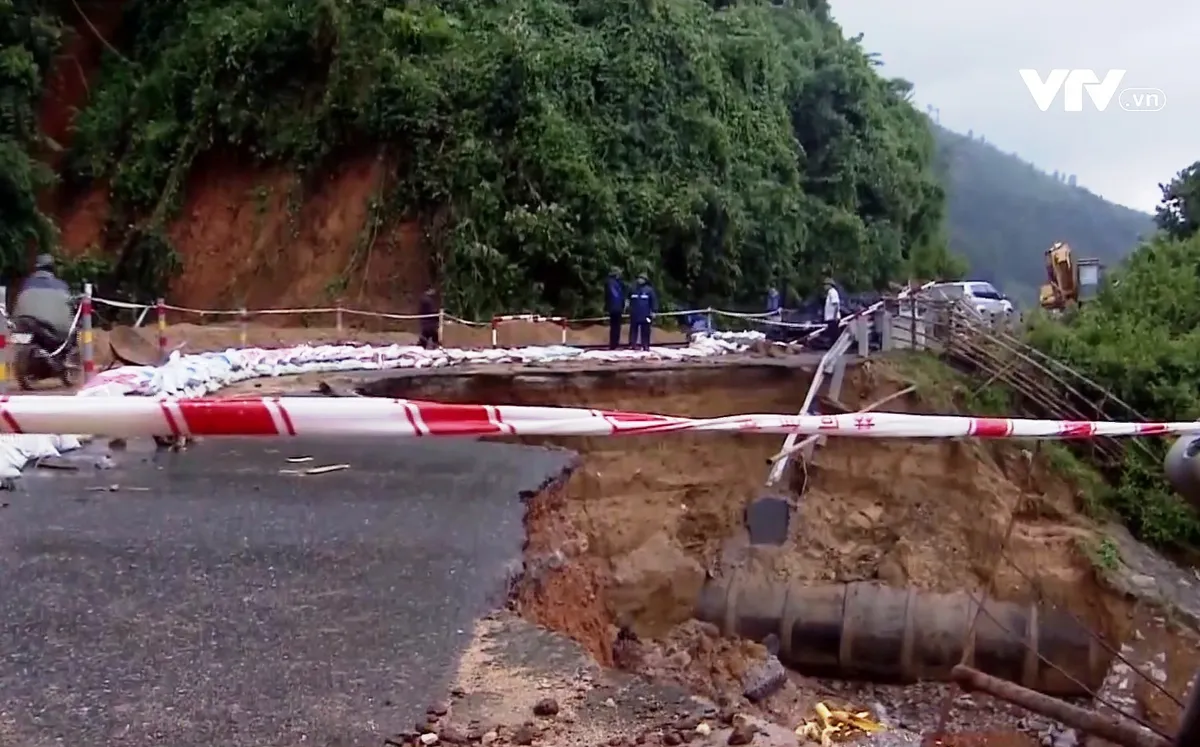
(313, 416)
(204, 373)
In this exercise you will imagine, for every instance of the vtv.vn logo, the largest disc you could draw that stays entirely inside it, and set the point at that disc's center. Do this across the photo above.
(1101, 92)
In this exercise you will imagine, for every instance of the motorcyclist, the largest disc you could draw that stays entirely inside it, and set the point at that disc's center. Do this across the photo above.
(46, 300)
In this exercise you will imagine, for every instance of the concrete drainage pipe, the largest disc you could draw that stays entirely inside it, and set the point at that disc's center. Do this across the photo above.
(1182, 466)
(874, 632)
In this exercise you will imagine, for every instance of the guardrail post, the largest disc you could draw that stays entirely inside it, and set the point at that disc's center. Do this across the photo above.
(495, 324)
(912, 324)
(884, 320)
(338, 318)
(160, 320)
(441, 326)
(243, 335)
(862, 330)
(838, 364)
(87, 353)
(4, 354)
(563, 323)
(709, 313)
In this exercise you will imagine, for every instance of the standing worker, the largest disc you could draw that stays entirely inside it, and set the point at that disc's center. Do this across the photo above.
(429, 320)
(774, 304)
(643, 305)
(774, 309)
(833, 309)
(614, 304)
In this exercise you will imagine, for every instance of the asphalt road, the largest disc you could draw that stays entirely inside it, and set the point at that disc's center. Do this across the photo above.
(226, 604)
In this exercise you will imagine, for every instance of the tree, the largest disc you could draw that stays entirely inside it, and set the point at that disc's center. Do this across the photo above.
(539, 141)
(1179, 213)
(1140, 339)
(29, 37)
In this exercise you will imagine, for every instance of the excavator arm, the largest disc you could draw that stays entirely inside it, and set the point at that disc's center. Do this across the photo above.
(1063, 286)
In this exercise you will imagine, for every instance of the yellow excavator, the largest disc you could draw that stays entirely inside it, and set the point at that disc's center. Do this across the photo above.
(1071, 280)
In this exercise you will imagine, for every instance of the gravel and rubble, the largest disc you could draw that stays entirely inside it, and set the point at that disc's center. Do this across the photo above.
(523, 685)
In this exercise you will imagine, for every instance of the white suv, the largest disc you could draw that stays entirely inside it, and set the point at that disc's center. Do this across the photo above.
(982, 296)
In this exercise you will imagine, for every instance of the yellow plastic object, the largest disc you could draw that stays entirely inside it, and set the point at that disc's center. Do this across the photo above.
(831, 726)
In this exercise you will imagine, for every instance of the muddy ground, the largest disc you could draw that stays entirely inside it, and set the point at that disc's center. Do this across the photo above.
(625, 541)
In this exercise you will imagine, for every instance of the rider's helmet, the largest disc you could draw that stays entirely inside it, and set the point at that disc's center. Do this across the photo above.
(44, 262)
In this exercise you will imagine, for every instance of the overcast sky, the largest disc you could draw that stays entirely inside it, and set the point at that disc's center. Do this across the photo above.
(964, 56)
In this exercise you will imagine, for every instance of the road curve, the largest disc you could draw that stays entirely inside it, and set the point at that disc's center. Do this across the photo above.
(209, 599)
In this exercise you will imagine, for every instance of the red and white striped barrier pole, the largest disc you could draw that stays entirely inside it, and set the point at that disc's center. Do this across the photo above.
(5, 368)
(87, 352)
(160, 319)
(370, 416)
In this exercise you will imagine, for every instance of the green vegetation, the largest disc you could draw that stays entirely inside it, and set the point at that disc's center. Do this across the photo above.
(539, 141)
(721, 147)
(1140, 339)
(1005, 213)
(29, 39)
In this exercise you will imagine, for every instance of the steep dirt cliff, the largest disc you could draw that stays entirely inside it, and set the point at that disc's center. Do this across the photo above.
(245, 234)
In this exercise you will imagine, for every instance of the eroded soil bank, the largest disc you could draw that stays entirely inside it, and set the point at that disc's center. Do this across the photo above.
(618, 551)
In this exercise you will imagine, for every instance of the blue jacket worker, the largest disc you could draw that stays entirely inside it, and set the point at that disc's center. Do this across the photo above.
(614, 304)
(774, 305)
(643, 305)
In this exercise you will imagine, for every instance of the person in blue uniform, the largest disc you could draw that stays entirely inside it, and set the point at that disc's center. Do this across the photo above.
(774, 305)
(614, 304)
(643, 305)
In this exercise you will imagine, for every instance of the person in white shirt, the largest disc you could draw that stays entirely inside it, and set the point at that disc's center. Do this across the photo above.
(833, 309)
(833, 301)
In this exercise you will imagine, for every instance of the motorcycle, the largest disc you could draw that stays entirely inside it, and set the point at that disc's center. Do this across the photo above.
(33, 362)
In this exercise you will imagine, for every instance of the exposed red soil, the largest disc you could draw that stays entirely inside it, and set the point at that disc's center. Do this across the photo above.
(91, 22)
(251, 236)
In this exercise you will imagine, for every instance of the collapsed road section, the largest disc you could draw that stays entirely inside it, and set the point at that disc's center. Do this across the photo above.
(621, 552)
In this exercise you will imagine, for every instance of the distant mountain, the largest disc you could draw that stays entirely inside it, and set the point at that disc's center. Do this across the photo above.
(1005, 213)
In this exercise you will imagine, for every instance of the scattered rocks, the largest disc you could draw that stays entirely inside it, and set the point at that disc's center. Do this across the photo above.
(452, 733)
(764, 679)
(743, 732)
(546, 708)
(524, 734)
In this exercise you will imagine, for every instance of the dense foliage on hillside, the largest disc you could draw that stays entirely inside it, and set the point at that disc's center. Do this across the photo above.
(28, 41)
(1005, 213)
(1140, 339)
(720, 149)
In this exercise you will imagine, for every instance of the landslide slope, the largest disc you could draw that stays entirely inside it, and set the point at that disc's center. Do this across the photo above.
(278, 152)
